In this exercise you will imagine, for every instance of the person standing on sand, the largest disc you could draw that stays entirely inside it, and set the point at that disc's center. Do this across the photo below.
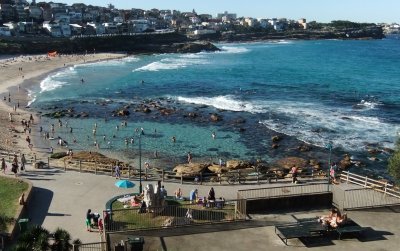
(189, 157)
(3, 165)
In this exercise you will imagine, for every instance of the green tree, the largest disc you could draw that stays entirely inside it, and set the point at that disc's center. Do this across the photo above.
(61, 240)
(394, 163)
(38, 238)
(35, 238)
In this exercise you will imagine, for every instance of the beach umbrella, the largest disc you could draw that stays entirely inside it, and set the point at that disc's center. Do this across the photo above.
(124, 184)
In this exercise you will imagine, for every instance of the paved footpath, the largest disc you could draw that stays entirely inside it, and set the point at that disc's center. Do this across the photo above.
(61, 199)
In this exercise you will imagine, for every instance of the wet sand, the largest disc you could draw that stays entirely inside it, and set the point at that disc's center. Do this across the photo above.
(17, 75)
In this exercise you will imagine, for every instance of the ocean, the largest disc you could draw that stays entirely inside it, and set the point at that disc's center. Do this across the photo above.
(343, 93)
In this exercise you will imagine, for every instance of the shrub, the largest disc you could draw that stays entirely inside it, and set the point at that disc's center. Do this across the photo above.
(58, 155)
(394, 163)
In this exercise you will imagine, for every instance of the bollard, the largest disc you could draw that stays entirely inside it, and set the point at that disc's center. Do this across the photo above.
(65, 166)
(162, 175)
(80, 166)
(34, 158)
(48, 162)
(181, 178)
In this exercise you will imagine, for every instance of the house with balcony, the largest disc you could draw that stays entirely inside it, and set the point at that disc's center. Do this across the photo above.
(139, 25)
(7, 13)
(52, 28)
(195, 20)
(75, 17)
(111, 28)
(77, 30)
(34, 12)
(98, 28)
(5, 31)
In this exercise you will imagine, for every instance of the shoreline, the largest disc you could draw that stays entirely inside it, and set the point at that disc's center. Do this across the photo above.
(20, 73)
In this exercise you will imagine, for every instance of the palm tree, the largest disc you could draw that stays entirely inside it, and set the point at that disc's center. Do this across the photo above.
(61, 240)
(36, 238)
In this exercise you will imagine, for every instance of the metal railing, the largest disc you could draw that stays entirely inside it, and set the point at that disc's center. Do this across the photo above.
(366, 182)
(363, 192)
(175, 215)
(284, 191)
(96, 246)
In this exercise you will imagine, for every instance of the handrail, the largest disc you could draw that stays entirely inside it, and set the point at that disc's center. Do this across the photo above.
(364, 181)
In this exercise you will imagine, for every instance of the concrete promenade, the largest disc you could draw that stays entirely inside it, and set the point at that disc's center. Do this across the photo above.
(61, 199)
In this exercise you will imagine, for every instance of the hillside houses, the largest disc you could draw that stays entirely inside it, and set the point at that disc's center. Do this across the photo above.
(20, 18)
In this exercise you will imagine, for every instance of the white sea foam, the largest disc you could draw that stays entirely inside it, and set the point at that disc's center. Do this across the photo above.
(230, 103)
(233, 49)
(310, 122)
(173, 63)
(32, 97)
(49, 84)
(368, 104)
(112, 62)
(319, 125)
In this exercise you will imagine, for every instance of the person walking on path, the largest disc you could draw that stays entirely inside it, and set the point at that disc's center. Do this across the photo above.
(117, 171)
(23, 162)
(14, 166)
(89, 216)
(294, 174)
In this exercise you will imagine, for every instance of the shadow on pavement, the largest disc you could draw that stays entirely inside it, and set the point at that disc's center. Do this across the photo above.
(39, 205)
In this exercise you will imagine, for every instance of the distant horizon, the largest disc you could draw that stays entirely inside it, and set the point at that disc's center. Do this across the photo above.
(384, 11)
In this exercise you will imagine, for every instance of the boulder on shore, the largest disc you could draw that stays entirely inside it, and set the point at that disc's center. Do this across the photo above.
(191, 169)
(345, 162)
(237, 164)
(289, 162)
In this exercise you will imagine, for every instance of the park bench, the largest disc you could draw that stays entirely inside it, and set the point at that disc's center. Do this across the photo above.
(350, 227)
(310, 227)
(300, 229)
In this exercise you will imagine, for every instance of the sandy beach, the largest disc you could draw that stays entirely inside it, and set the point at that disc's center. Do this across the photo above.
(17, 74)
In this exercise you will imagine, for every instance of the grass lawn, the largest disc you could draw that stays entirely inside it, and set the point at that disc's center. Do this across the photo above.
(10, 191)
(131, 219)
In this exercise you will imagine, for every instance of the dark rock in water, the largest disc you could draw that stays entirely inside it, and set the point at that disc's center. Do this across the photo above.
(275, 146)
(239, 121)
(345, 118)
(276, 138)
(123, 112)
(84, 114)
(192, 115)
(388, 150)
(304, 148)
(203, 106)
(241, 129)
(373, 158)
(146, 110)
(374, 151)
(215, 117)
(212, 149)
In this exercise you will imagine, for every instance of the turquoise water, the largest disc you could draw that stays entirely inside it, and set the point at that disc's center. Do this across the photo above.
(343, 92)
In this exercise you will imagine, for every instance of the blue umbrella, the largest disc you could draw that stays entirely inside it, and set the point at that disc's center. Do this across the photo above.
(124, 184)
